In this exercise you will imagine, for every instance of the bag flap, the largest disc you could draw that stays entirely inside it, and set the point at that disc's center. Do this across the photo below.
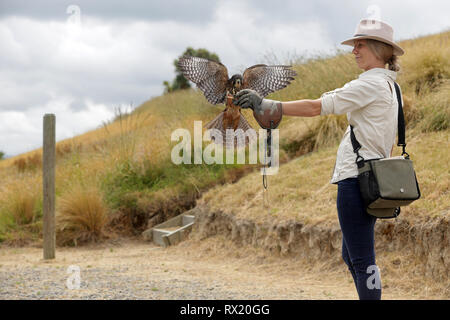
(396, 178)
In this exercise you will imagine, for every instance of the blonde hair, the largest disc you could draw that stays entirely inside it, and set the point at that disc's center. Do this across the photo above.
(384, 52)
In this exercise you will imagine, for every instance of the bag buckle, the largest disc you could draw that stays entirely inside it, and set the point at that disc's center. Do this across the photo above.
(404, 151)
(359, 158)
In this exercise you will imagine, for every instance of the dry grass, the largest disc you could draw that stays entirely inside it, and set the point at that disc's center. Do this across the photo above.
(435, 109)
(81, 216)
(300, 187)
(301, 190)
(31, 162)
(425, 82)
(20, 214)
(23, 208)
(428, 152)
(324, 132)
(426, 63)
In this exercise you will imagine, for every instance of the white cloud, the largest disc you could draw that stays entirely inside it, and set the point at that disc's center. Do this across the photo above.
(22, 131)
(69, 69)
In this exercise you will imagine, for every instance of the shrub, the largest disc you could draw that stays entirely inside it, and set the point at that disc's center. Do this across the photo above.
(81, 216)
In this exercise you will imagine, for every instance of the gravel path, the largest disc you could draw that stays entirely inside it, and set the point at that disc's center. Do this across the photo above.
(208, 269)
(104, 283)
(139, 270)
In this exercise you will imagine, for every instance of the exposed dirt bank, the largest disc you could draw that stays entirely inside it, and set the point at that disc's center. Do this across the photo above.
(419, 249)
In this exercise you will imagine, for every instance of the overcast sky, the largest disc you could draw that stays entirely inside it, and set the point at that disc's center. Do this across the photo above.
(82, 59)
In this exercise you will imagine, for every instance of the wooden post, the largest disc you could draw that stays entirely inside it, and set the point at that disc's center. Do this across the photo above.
(48, 181)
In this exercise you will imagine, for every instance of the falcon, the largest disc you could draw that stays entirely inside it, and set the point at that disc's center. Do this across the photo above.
(212, 79)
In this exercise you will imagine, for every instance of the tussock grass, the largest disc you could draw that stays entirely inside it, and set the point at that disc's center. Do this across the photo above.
(426, 63)
(20, 214)
(435, 109)
(67, 147)
(23, 208)
(81, 216)
(32, 162)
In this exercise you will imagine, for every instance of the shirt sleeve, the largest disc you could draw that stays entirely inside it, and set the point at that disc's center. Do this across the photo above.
(353, 95)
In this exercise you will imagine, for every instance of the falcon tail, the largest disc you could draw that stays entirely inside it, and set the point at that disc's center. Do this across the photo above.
(239, 140)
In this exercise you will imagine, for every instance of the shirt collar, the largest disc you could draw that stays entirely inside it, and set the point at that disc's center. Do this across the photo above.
(392, 75)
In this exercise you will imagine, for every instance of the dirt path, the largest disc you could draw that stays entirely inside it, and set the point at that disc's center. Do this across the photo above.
(210, 269)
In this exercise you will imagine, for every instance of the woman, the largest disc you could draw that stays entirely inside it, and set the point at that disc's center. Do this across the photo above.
(371, 106)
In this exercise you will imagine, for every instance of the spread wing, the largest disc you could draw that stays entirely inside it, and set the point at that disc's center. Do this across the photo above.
(267, 79)
(210, 76)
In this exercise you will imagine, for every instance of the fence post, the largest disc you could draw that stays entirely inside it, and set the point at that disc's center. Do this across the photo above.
(48, 181)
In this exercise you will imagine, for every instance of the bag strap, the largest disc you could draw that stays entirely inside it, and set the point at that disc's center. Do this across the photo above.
(400, 129)
(356, 145)
(401, 119)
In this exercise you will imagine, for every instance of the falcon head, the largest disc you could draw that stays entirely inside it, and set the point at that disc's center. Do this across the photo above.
(236, 82)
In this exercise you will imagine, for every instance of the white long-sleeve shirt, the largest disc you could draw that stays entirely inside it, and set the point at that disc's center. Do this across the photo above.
(370, 103)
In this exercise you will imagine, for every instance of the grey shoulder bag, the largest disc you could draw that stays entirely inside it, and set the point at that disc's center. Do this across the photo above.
(387, 184)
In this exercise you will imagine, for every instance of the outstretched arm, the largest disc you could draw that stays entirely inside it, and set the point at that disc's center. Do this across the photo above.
(302, 108)
(247, 98)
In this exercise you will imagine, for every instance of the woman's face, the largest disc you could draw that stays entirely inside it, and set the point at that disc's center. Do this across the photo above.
(365, 58)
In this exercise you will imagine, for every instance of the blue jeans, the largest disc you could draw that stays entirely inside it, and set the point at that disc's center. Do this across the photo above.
(358, 245)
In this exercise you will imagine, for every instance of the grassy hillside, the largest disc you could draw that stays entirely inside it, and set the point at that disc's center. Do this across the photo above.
(118, 177)
(301, 189)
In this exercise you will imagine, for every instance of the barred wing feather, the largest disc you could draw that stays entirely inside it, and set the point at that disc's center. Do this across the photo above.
(267, 79)
(210, 76)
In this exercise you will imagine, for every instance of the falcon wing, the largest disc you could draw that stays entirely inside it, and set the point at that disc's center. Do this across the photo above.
(267, 79)
(210, 76)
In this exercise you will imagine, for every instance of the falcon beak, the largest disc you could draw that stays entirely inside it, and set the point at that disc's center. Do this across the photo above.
(238, 84)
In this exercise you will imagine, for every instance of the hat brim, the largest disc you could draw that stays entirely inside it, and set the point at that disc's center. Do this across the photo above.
(398, 51)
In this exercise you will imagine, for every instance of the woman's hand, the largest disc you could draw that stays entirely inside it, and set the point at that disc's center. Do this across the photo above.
(248, 98)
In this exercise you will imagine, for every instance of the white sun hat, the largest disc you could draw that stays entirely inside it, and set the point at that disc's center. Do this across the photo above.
(377, 30)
